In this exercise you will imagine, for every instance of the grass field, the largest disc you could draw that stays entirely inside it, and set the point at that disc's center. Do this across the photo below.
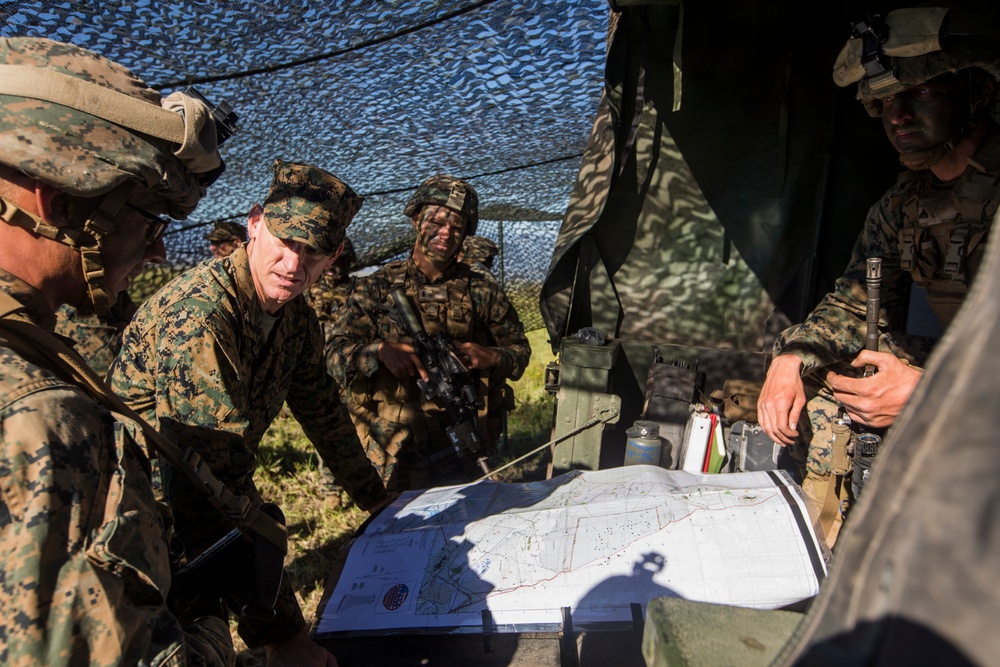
(321, 521)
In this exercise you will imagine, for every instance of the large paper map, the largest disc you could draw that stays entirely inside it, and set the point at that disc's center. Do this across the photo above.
(595, 542)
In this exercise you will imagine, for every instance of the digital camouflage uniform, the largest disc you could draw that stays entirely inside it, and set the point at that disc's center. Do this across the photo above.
(328, 296)
(927, 233)
(86, 570)
(195, 363)
(914, 232)
(96, 337)
(406, 440)
(916, 247)
(85, 561)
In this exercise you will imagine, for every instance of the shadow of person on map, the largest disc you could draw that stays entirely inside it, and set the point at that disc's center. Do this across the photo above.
(456, 581)
(607, 645)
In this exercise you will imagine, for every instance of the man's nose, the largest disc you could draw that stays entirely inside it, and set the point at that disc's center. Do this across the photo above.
(291, 261)
(156, 253)
(897, 111)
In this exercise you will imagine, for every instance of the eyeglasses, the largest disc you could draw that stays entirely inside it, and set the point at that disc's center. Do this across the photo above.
(157, 225)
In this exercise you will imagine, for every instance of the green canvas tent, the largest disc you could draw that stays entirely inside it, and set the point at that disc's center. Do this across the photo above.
(723, 185)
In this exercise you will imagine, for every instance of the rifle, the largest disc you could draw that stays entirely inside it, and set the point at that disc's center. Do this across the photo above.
(242, 569)
(448, 381)
(865, 441)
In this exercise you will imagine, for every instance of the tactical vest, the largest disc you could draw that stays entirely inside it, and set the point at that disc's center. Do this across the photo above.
(945, 228)
(447, 308)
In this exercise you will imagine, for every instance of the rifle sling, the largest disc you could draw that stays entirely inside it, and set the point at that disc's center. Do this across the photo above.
(43, 348)
(835, 495)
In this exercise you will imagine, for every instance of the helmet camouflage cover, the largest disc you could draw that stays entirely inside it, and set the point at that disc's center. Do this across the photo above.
(448, 191)
(227, 231)
(81, 152)
(911, 47)
(84, 125)
(309, 205)
(479, 249)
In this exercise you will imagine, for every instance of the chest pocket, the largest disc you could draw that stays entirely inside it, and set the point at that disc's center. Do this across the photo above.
(943, 233)
(444, 308)
(131, 517)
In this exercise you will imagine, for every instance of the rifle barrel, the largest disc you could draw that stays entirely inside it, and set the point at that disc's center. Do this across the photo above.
(873, 282)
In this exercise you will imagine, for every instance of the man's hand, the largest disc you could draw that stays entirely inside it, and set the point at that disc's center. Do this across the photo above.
(474, 355)
(876, 400)
(782, 399)
(401, 360)
(299, 651)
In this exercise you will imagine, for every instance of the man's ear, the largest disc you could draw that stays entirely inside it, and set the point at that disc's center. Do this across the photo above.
(54, 206)
(336, 255)
(984, 92)
(254, 219)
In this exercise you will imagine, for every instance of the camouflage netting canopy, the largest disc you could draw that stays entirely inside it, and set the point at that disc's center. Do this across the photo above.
(382, 93)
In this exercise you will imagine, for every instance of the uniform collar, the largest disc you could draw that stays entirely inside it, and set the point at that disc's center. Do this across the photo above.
(251, 311)
(240, 262)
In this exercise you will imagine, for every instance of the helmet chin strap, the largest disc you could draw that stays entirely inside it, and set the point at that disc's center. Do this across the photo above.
(99, 224)
(919, 160)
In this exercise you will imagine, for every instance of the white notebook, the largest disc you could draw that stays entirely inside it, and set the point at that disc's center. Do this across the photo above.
(697, 436)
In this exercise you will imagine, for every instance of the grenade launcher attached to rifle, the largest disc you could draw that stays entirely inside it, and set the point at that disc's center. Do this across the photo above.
(449, 381)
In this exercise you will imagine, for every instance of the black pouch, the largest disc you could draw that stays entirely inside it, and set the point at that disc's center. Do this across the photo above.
(750, 449)
(670, 391)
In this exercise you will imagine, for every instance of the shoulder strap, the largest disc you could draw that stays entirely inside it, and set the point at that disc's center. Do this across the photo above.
(39, 346)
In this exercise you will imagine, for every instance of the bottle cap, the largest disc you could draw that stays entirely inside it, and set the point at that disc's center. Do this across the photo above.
(643, 429)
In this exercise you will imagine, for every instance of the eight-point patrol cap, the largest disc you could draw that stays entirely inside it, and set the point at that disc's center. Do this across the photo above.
(309, 205)
(448, 191)
(227, 231)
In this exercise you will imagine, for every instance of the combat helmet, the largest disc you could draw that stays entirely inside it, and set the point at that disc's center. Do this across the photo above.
(479, 249)
(88, 127)
(448, 191)
(912, 46)
(227, 231)
(348, 256)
